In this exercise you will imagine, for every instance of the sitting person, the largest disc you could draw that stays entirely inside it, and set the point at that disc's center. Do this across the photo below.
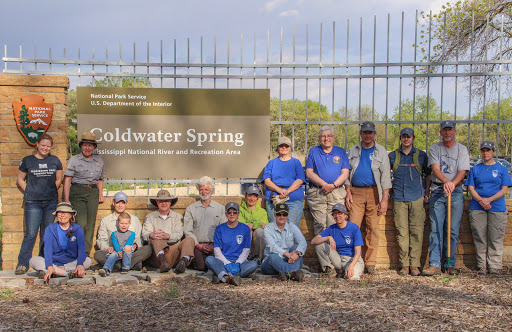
(231, 246)
(285, 246)
(163, 229)
(254, 216)
(108, 225)
(122, 241)
(339, 247)
(201, 219)
(64, 247)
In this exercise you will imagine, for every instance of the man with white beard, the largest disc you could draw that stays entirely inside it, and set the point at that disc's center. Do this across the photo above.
(201, 219)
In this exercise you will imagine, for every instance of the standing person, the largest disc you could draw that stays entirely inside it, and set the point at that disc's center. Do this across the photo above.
(201, 219)
(370, 181)
(231, 245)
(488, 182)
(285, 246)
(449, 161)
(163, 229)
(83, 185)
(284, 177)
(108, 225)
(339, 247)
(327, 168)
(254, 216)
(410, 167)
(122, 241)
(64, 247)
(39, 176)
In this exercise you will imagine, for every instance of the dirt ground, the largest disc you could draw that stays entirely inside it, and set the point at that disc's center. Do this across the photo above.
(382, 302)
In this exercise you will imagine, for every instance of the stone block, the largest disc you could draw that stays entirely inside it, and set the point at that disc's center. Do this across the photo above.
(58, 281)
(263, 277)
(9, 264)
(33, 81)
(104, 281)
(5, 160)
(141, 276)
(17, 282)
(9, 170)
(38, 282)
(127, 280)
(45, 89)
(12, 223)
(61, 98)
(81, 281)
(184, 276)
(154, 277)
(8, 94)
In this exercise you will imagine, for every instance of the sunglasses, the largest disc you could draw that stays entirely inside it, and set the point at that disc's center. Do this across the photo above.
(232, 212)
(282, 214)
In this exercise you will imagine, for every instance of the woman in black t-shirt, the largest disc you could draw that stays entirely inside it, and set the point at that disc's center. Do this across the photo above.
(39, 176)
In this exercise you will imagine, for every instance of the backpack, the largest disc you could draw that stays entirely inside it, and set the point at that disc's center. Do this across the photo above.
(415, 160)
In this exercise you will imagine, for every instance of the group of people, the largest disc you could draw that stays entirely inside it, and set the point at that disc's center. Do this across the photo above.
(345, 189)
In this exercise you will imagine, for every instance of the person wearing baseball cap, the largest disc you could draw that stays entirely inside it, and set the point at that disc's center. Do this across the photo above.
(163, 229)
(83, 185)
(231, 246)
(108, 225)
(254, 216)
(368, 193)
(487, 183)
(449, 161)
(285, 246)
(410, 168)
(339, 247)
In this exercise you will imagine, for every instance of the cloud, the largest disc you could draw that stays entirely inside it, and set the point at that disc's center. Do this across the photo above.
(271, 5)
(290, 12)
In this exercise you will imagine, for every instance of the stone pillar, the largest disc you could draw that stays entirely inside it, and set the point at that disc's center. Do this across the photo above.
(54, 90)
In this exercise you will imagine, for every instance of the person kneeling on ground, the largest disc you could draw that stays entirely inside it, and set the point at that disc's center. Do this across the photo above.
(163, 229)
(108, 225)
(122, 241)
(254, 216)
(339, 247)
(231, 246)
(64, 247)
(285, 246)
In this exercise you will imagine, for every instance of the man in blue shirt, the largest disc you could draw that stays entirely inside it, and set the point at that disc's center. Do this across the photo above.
(410, 167)
(327, 168)
(370, 181)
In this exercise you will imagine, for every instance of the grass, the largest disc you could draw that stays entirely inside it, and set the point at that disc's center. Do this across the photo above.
(173, 290)
(6, 294)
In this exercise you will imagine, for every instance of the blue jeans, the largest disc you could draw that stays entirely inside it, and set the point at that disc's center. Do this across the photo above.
(113, 257)
(38, 215)
(216, 265)
(273, 264)
(295, 209)
(438, 221)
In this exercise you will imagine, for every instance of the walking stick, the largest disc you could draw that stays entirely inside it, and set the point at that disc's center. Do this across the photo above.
(449, 227)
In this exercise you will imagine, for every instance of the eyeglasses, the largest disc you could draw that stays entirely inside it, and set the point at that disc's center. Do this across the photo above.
(232, 212)
(326, 136)
(282, 214)
(284, 146)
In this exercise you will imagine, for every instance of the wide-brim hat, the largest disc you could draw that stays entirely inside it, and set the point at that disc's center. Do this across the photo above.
(64, 207)
(88, 137)
(163, 195)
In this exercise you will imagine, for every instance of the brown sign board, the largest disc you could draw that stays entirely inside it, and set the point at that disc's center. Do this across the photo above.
(178, 133)
(33, 117)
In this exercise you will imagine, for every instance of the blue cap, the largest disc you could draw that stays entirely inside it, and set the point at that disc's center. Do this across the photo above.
(340, 207)
(407, 131)
(232, 205)
(120, 196)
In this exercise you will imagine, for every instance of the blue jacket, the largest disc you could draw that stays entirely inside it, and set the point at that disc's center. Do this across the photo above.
(53, 253)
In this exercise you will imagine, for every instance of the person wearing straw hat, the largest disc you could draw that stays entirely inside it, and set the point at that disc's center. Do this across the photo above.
(339, 247)
(163, 229)
(449, 161)
(488, 182)
(409, 165)
(83, 185)
(64, 247)
(254, 216)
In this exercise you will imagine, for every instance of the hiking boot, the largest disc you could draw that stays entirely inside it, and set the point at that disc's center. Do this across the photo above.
(20, 269)
(432, 270)
(297, 276)
(415, 271)
(482, 271)
(164, 266)
(283, 276)
(236, 280)
(181, 266)
(404, 271)
(494, 271)
(370, 269)
(329, 272)
(215, 280)
(341, 274)
(452, 271)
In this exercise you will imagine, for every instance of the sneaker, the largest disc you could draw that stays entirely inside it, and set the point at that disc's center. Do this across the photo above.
(283, 276)
(370, 269)
(164, 266)
(181, 266)
(452, 271)
(404, 271)
(103, 272)
(329, 272)
(124, 271)
(482, 271)
(415, 271)
(432, 270)
(297, 276)
(236, 280)
(20, 269)
(494, 271)
(215, 280)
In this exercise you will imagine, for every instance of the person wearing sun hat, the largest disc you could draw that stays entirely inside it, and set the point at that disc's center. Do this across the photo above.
(64, 247)
(163, 230)
(83, 185)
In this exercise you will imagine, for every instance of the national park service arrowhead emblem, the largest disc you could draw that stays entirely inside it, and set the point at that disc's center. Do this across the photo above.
(33, 117)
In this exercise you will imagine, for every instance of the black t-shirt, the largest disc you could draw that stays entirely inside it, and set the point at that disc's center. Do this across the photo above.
(41, 177)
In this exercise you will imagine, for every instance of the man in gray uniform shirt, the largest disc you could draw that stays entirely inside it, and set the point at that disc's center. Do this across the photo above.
(201, 219)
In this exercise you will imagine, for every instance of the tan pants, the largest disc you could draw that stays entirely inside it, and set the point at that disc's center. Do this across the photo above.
(488, 230)
(334, 260)
(320, 205)
(365, 204)
(173, 253)
(409, 222)
(257, 245)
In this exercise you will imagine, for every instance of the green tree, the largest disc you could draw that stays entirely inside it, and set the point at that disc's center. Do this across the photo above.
(24, 117)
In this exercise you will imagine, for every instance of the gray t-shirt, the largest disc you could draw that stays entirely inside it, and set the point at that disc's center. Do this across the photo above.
(451, 161)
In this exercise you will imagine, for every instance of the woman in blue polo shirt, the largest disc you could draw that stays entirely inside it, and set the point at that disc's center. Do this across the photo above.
(487, 183)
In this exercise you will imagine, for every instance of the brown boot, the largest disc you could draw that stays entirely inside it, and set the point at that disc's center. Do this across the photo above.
(164, 266)
(370, 269)
(404, 271)
(329, 273)
(432, 270)
(415, 271)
